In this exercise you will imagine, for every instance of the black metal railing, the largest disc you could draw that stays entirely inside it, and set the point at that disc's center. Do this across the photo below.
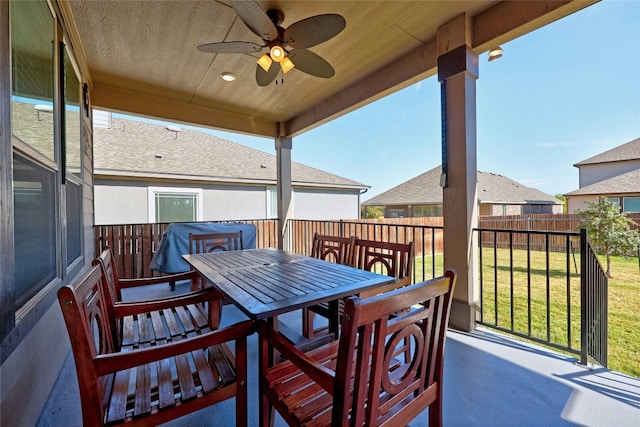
(594, 302)
(545, 286)
(529, 285)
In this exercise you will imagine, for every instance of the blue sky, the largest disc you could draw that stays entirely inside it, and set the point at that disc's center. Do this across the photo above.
(557, 96)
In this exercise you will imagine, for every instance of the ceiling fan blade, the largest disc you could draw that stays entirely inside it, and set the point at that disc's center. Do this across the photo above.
(310, 63)
(255, 18)
(264, 78)
(230, 47)
(314, 30)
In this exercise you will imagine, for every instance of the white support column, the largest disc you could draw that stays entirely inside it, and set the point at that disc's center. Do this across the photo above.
(283, 158)
(457, 72)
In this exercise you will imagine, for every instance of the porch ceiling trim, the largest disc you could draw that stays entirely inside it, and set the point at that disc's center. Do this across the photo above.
(162, 108)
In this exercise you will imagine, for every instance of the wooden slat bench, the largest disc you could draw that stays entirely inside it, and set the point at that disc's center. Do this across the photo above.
(164, 362)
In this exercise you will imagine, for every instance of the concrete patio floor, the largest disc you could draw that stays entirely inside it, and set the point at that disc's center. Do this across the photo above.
(490, 380)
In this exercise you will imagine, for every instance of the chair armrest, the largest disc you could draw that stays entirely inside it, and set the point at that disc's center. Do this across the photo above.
(128, 308)
(323, 376)
(114, 362)
(130, 283)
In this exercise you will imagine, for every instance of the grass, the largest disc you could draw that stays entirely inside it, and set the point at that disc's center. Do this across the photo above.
(550, 321)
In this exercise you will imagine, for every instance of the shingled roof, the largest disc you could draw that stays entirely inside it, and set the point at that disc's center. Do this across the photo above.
(492, 188)
(628, 151)
(140, 149)
(621, 184)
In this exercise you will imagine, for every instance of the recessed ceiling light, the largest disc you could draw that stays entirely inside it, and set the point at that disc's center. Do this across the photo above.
(227, 76)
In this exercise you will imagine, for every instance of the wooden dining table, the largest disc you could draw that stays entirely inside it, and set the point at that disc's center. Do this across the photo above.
(266, 282)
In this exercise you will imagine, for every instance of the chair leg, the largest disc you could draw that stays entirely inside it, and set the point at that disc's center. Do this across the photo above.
(435, 412)
(307, 323)
(215, 314)
(241, 384)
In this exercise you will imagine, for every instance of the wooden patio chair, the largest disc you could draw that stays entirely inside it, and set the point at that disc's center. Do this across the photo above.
(329, 248)
(212, 242)
(195, 312)
(108, 263)
(148, 383)
(357, 380)
(387, 258)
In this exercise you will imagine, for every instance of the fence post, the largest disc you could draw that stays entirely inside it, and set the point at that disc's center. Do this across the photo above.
(584, 328)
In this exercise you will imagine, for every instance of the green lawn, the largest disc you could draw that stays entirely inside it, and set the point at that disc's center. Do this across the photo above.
(563, 289)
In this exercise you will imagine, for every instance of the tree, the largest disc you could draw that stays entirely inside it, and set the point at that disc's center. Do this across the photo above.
(563, 199)
(609, 229)
(372, 212)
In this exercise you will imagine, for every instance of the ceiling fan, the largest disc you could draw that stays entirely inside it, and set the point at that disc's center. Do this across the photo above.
(287, 47)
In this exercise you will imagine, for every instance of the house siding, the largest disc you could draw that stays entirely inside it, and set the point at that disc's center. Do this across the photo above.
(234, 202)
(579, 203)
(590, 174)
(127, 202)
(325, 204)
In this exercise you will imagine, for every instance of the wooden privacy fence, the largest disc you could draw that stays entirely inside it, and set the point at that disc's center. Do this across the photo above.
(425, 233)
(133, 245)
(514, 229)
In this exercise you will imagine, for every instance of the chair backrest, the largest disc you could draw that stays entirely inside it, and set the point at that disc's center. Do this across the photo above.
(85, 308)
(112, 290)
(332, 248)
(110, 271)
(210, 242)
(390, 259)
(387, 387)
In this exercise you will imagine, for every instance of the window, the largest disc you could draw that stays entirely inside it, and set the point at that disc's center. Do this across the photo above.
(614, 200)
(72, 160)
(32, 73)
(631, 204)
(35, 163)
(272, 203)
(427, 211)
(35, 227)
(396, 213)
(175, 204)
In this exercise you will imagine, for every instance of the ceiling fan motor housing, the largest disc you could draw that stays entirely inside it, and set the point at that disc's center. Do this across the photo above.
(276, 16)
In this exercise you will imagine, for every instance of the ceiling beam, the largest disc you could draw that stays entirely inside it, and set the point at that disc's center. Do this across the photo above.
(413, 67)
(129, 102)
(509, 20)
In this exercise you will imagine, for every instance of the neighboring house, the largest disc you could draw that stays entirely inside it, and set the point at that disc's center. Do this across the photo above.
(497, 195)
(146, 172)
(614, 174)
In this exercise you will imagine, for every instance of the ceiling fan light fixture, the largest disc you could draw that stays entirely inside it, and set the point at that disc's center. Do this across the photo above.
(265, 62)
(287, 65)
(495, 53)
(277, 53)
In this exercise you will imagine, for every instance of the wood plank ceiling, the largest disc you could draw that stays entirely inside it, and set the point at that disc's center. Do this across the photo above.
(140, 57)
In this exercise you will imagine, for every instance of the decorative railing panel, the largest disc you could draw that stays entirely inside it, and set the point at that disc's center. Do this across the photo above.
(595, 303)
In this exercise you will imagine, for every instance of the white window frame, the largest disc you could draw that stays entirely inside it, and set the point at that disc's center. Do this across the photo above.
(272, 203)
(152, 191)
